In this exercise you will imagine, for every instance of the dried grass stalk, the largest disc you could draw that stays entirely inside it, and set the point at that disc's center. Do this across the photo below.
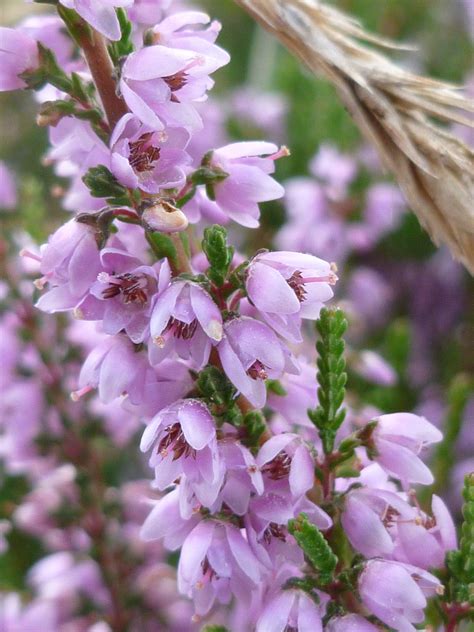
(392, 108)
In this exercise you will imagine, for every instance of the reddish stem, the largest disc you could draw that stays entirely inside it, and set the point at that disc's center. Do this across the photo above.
(102, 71)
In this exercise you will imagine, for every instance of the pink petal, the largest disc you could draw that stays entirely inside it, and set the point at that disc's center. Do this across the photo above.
(163, 309)
(155, 61)
(207, 313)
(245, 149)
(444, 523)
(309, 617)
(100, 16)
(194, 551)
(274, 446)
(254, 390)
(243, 554)
(139, 107)
(176, 21)
(197, 424)
(301, 477)
(269, 291)
(365, 529)
(247, 183)
(402, 463)
(162, 517)
(274, 617)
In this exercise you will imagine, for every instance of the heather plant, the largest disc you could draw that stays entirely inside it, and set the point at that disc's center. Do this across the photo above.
(279, 500)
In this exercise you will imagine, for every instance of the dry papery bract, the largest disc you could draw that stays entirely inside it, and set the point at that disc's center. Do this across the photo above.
(393, 109)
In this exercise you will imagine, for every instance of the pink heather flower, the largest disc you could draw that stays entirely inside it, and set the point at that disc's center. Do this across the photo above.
(8, 194)
(268, 111)
(351, 623)
(200, 207)
(384, 208)
(214, 132)
(250, 353)
(165, 522)
(147, 12)
(100, 14)
(288, 286)
(146, 159)
(285, 458)
(49, 30)
(371, 297)
(35, 513)
(372, 366)
(396, 593)
(313, 226)
(216, 562)
(425, 540)
(291, 609)
(399, 438)
(70, 264)
(247, 165)
(116, 369)
(18, 53)
(188, 30)
(288, 473)
(242, 477)
(16, 616)
(160, 82)
(370, 517)
(184, 319)
(121, 295)
(162, 386)
(59, 576)
(334, 169)
(183, 441)
(74, 149)
(301, 394)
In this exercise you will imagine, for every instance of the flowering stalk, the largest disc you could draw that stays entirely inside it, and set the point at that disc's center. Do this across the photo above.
(328, 417)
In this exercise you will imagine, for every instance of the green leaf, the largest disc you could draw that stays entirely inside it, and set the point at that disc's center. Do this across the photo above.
(51, 112)
(215, 628)
(208, 176)
(48, 71)
(218, 253)
(163, 246)
(220, 395)
(331, 376)
(124, 46)
(276, 387)
(255, 425)
(315, 547)
(103, 184)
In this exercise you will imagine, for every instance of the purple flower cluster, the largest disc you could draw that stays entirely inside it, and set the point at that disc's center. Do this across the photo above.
(208, 353)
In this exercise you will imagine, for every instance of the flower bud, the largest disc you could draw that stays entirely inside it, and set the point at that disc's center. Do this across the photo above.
(165, 218)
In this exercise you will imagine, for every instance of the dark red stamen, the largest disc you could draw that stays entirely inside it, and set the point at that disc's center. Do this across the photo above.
(175, 441)
(257, 371)
(143, 155)
(296, 283)
(132, 287)
(176, 81)
(279, 467)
